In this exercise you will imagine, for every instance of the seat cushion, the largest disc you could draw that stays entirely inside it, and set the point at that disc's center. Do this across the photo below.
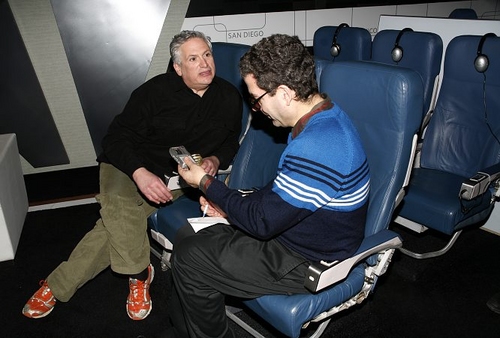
(288, 313)
(437, 193)
(170, 218)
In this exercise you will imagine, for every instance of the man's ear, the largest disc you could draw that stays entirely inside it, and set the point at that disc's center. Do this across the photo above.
(287, 94)
(178, 69)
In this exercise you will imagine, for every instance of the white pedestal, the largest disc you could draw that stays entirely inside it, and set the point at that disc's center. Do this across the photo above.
(13, 197)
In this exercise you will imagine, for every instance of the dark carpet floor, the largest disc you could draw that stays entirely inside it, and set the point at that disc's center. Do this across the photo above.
(439, 297)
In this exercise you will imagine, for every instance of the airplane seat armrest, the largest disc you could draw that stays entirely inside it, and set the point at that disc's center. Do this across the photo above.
(480, 182)
(321, 275)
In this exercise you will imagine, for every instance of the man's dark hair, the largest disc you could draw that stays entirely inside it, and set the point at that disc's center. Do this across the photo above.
(281, 60)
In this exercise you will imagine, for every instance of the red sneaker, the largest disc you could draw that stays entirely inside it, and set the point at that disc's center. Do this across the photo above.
(41, 303)
(139, 303)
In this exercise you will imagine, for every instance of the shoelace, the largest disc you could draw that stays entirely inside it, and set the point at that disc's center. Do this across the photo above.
(136, 287)
(46, 288)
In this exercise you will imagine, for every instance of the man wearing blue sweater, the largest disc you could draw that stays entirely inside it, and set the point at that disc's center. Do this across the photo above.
(315, 208)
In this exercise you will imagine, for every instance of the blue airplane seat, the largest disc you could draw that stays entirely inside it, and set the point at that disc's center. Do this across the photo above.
(463, 13)
(384, 103)
(342, 43)
(454, 186)
(319, 65)
(420, 51)
(227, 58)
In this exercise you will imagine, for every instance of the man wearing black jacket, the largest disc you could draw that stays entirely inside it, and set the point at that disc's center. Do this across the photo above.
(190, 107)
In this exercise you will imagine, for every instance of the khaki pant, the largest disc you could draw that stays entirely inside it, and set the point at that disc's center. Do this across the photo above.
(119, 238)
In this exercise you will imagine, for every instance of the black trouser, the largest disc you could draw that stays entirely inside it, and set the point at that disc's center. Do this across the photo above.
(220, 261)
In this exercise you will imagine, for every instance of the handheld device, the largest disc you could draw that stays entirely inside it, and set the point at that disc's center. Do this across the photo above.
(175, 182)
(179, 153)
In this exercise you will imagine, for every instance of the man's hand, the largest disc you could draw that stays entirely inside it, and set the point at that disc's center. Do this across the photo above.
(211, 165)
(213, 210)
(151, 186)
(192, 174)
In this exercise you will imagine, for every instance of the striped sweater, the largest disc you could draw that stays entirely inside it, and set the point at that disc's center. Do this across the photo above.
(317, 203)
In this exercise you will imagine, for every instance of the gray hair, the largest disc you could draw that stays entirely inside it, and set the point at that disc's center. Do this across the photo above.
(179, 39)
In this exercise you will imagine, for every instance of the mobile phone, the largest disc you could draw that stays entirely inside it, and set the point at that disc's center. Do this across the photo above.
(175, 182)
(178, 154)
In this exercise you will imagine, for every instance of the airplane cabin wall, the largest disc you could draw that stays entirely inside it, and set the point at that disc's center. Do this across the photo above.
(71, 65)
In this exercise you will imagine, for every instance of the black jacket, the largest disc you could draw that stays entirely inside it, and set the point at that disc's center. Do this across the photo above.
(164, 112)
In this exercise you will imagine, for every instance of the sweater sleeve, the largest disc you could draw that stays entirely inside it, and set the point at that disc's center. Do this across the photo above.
(263, 214)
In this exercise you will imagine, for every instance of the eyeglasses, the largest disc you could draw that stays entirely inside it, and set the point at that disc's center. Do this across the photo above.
(255, 104)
